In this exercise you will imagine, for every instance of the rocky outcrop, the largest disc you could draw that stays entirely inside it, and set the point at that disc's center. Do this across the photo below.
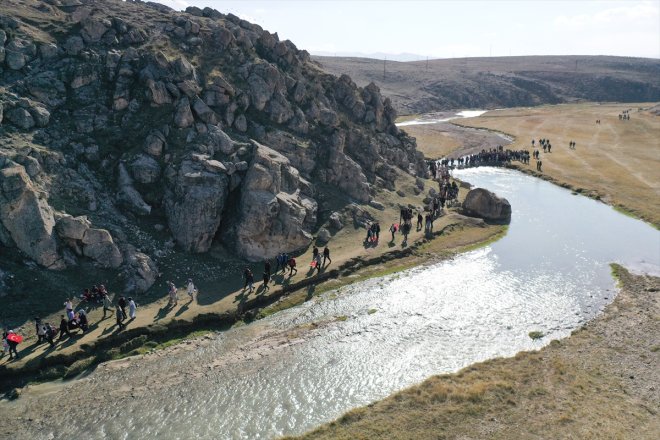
(84, 240)
(194, 205)
(140, 272)
(484, 204)
(27, 218)
(130, 135)
(274, 214)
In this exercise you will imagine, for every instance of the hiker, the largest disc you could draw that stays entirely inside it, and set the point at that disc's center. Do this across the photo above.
(68, 308)
(190, 288)
(82, 320)
(427, 223)
(131, 308)
(369, 235)
(171, 291)
(266, 278)
(317, 260)
(377, 230)
(5, 345)
(419, 220)
(120, 317)
(267, 267)
(249, 279)
(107, 304)
(41, 331)
(122, 303)
(539, 164)
(315, 252)
(393, 230)
(64, 328)
(49, 334)
(292, 266)
(326, 255)
(12, 344)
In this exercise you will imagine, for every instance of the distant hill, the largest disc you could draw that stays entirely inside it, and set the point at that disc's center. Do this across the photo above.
(418, 86)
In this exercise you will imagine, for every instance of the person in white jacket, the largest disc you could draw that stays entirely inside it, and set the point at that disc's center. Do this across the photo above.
(131, 308)
(191, 289)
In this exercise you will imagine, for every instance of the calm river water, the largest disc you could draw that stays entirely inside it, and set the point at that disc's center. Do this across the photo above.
(295, 370)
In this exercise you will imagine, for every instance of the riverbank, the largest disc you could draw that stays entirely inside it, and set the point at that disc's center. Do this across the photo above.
(157, 325)
(615, 161)
(601, 382)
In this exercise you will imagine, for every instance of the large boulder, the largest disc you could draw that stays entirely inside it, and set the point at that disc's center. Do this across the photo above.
(27, 218)
(99, 246)
(140, 271)
(484, 204)
(274, 215)
(194, 205)
(96, 244)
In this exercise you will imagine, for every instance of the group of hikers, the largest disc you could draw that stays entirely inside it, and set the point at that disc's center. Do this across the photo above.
(74, 320)
(285, 262)
(624, 116)
(493, 157)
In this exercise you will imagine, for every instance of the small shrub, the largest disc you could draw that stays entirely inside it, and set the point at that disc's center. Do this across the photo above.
(536, 334)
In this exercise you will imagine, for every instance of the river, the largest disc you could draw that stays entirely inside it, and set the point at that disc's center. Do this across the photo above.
(307, 365)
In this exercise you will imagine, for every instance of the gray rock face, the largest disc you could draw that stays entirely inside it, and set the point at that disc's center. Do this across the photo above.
(194, 205)
(273, 214)
(484, 204)
(99, 246)
(183, 116)
(20, 117)
(128, 195)
(140, 271)
(28, 218)
(96, 244)
(145, 169)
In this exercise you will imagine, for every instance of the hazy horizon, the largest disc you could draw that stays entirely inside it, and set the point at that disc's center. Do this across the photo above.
(407, 31)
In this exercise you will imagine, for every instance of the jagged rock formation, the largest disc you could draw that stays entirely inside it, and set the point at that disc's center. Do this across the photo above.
(484, 204)
(116, 114)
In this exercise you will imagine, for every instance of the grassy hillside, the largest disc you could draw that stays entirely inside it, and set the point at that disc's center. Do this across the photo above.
(421, 86)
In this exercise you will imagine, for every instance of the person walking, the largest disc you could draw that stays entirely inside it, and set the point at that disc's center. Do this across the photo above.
(393, 230)
(326, 255)
(292, 266)
(419, 220)
(317, 260)
(191, 289)
(266, 278)
(41, 330)
(131, 308)
(122, 304)
(171, 292)
(68, 308)
(49, 334)
(249, 279)
(267, 267)
(64, 328)
(107, 304)
(120, 317)
(12, 345)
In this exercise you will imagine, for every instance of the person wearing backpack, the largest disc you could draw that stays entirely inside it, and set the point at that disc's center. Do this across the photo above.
(393, 230)
(292, 266)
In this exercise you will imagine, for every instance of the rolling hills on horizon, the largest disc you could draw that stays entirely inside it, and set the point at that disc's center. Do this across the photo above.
(492, 82)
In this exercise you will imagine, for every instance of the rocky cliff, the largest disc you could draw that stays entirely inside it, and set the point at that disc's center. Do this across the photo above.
(119, 115)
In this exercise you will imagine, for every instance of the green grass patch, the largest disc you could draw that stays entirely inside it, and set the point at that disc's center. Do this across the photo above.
(536, 334)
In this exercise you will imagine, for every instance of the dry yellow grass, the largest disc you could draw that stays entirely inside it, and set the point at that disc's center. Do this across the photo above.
(618, 160)
(601, 383)
(433, 140)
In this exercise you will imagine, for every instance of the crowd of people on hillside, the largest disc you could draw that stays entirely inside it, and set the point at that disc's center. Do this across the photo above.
(283, 263)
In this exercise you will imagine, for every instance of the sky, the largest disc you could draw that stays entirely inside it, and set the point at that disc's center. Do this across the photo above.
(455, 29)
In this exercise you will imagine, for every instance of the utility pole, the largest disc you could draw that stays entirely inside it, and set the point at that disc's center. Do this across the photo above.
(384, 61)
